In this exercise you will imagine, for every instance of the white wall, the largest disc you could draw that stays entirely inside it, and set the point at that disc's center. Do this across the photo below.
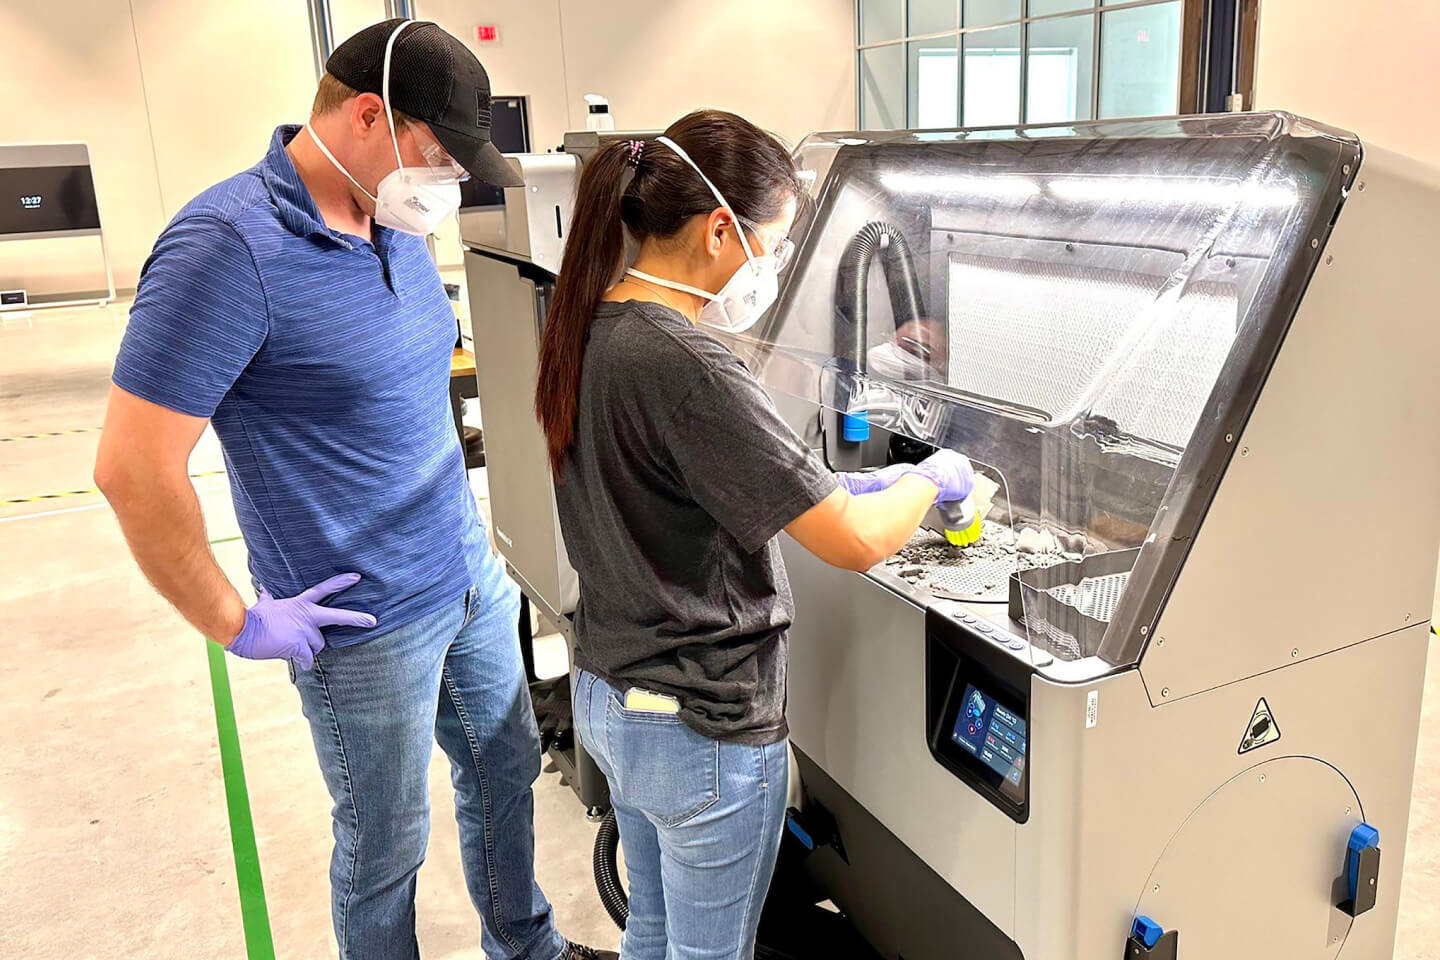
(220, 77)
(349, 17)
(170, 100)
(186, 93)
(528, 59)
(1373, 68)
(789, 65)
(71, 73)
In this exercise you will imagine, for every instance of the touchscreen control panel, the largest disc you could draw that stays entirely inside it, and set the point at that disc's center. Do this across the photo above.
(977, 701)
(987, 730)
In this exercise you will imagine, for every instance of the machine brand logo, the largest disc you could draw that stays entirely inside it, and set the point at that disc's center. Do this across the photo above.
(31, 202)
(1262, 729)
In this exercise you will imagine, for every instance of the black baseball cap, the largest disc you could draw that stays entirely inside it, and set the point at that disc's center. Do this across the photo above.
(433, 78)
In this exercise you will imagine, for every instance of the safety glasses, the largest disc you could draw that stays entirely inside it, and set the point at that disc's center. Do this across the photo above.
(441, 166)
(779, 250)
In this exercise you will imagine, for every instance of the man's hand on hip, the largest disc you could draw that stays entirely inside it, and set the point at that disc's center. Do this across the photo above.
(289, 629)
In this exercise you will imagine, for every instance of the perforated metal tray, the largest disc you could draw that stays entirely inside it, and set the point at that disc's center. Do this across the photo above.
(1095, 597)
(979, 573)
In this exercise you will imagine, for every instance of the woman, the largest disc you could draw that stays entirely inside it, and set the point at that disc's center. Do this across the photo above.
(674, 474)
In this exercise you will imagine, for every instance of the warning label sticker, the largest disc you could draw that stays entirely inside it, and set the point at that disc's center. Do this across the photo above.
(1262, 729)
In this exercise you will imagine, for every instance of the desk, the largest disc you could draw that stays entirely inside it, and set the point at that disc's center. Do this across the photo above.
(463, 385)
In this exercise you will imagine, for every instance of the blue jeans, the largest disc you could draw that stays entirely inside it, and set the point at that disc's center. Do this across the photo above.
(700, 824)
(375, 708)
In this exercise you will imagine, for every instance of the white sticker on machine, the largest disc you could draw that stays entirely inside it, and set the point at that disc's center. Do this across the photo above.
(1262, 729)
(1092, 708)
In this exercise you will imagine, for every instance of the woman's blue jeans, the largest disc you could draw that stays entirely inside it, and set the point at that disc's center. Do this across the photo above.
(700, 824)
(375, 710)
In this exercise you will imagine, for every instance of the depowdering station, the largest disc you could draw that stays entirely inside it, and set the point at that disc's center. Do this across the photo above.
(1166, 705)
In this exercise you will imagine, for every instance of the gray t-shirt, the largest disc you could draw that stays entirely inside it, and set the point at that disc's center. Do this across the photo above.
(681, 475)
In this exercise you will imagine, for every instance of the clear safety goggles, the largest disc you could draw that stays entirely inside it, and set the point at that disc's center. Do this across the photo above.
(439, 165)
(781, 250)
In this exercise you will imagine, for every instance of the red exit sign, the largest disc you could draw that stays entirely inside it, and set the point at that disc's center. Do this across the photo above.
(487, 33)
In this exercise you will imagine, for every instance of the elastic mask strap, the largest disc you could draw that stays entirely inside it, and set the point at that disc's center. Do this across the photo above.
(338, 166)
(683, 288)
(385, 92)
(739, 230)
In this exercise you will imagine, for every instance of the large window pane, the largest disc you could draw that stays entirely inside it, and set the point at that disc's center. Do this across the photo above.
(882, 88)
(1040, 8)
(992, 77)
(1062, 69)
(1140, 61)
(881, 20)
(979, 13)
(934, 84)
(932, 16)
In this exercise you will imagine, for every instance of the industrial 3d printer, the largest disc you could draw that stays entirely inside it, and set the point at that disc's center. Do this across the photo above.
(1168, 705)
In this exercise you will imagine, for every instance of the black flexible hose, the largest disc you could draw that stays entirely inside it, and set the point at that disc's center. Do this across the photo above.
(851, 287)
(607, 871)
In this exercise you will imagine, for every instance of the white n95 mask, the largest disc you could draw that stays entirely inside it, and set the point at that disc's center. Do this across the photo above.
(409, 199)
(750, 290)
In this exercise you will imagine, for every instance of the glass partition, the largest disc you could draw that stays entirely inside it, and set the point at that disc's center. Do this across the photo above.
(1087, 312)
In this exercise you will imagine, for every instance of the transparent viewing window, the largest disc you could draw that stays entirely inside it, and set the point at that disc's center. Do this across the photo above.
(1085, 311)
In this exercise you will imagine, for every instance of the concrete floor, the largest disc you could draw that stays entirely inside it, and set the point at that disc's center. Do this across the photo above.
(114, 840)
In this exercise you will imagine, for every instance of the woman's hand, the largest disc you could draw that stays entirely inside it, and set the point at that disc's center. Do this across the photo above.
(857, 532)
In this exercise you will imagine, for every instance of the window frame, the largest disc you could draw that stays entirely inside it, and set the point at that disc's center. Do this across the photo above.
(1097, 9)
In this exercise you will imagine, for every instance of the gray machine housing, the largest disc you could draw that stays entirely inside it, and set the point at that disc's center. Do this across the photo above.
(1141, 796)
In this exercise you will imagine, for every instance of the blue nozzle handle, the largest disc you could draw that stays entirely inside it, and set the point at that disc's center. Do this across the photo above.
(855, 427)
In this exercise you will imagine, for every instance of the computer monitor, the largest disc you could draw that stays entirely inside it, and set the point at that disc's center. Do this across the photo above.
(510, 132)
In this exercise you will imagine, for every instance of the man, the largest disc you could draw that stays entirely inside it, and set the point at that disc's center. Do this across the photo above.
(295, 308)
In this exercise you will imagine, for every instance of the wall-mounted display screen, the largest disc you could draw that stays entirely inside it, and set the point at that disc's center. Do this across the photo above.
(41, 199)
(987, 730)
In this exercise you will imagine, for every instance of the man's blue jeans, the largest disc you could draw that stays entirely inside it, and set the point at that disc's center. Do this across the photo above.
(700, 824)
(375, 708)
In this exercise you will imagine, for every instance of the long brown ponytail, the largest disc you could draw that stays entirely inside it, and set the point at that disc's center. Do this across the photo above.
(750, 167)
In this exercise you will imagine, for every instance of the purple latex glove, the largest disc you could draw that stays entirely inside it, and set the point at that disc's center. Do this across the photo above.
(872, 481)
(289, 629)
(948, 470)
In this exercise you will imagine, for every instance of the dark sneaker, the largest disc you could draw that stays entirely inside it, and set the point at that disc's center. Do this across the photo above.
(577, 951)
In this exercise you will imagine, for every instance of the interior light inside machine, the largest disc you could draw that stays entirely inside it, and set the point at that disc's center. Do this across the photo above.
(1172, 191)
(931, 184)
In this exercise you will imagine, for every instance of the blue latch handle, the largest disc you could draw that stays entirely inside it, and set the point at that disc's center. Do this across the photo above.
(1148, 932)
(800, 833)
(1362, 838)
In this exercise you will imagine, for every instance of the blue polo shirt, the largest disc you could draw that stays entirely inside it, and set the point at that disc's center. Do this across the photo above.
(323, 362)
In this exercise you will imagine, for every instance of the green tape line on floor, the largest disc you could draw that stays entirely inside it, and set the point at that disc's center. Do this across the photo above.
(253, 912)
